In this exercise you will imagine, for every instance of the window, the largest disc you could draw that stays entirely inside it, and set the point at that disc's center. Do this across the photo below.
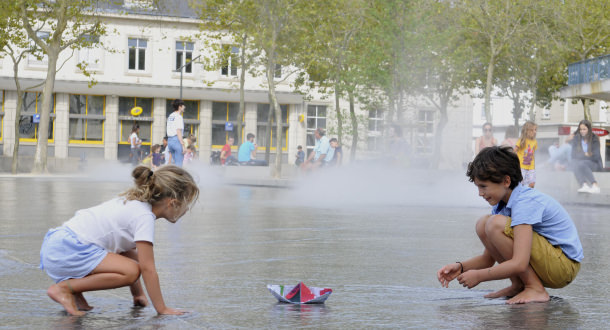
(90, 56)
(86, 119)
(223, 112)
(424, 139)
(229, 61)
(190, 116)
(137, 54)
(546, 113)
(278, 71)
(36, 57)
(184, 55)
(262, 115)
(316, 117)
(28, 125)
(375, 129)
(126, 120)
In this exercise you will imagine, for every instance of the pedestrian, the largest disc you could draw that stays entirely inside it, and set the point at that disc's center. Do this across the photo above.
(528, 234)
(320, 150)
(246, 154)
(110, 245)
(135, 142)
(300, 156)
(175, 129)
(485, 140)
(225, 153)
(526, 150)
(586, 157)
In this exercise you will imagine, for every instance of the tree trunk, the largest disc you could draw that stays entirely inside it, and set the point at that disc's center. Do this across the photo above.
(242, 98)
(438, 136)
(354, 126)
(40, 156)
(338, 111)
(586, 103)
(15, 162)
(488, 86)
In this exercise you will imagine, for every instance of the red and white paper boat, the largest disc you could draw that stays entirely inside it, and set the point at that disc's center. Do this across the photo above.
(299, 294)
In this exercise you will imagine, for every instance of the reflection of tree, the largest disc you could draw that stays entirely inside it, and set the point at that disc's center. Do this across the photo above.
(26, 127)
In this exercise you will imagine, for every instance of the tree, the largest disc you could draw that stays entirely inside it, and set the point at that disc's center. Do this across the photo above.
(489, 26)
(69, 22)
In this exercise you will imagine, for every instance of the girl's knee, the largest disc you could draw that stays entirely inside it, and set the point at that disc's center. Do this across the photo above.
(132, 273)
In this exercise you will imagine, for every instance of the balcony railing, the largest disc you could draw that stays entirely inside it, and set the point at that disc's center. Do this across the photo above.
(587, 71)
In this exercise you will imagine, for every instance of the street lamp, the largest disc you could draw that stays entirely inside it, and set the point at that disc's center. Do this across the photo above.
(187, 62)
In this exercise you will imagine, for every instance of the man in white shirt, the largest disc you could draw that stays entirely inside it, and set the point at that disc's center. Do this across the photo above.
(175, 127)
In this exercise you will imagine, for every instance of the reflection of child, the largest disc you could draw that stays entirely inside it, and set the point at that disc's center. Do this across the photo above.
(528, 234)
(156, 156)
(300, 156)
(110, 245)
(526, 147)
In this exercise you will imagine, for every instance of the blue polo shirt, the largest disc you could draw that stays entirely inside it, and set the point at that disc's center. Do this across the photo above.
(546, 216)
(245, 151)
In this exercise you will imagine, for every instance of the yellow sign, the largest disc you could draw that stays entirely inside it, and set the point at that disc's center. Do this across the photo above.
(136, 111)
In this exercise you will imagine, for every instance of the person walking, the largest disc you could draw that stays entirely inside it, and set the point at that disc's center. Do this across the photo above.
(175, 129)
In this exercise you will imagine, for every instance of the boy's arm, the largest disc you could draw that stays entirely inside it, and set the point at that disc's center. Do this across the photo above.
(521, 252)
(451, 271)
(146, 259)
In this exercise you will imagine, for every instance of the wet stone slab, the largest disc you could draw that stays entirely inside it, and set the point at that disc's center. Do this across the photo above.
(379, 255)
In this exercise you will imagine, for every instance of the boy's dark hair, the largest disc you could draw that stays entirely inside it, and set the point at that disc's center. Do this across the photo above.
(177, 103)
(333, 140)
(249, 136)
(300, 147)
(493, 164)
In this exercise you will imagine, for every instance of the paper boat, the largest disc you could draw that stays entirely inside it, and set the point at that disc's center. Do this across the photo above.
(299, 294)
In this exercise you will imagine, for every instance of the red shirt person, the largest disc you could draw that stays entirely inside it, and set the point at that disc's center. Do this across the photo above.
(226, 151)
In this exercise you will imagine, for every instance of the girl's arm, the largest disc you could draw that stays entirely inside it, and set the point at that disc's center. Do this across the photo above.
(146, 258)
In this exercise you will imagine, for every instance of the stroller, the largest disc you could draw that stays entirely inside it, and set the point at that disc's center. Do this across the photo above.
(215, 158)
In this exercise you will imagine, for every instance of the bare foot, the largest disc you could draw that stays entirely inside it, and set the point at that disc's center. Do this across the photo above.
(81, 302)
(140, 301)
(529, 295)
(64, 297)
(506, 292)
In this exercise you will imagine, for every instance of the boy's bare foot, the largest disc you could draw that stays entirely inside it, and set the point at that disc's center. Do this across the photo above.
(529, 295)
(506, 292)
(64, 297)
(81, 302)
(140, 301)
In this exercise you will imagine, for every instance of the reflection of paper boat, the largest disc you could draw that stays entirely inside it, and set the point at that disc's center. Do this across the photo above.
(299, 294)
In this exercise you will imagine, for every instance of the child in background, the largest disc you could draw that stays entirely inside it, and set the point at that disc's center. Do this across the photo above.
(526, 147)
(511, 137)
(156, 156)
(110, 245)
(528, 234)
(300, 156)
(190, 154)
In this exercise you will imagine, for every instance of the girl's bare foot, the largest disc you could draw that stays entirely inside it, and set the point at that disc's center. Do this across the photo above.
(64, 297)
(529, 295)
(140, 301)
(506, 292)
(81, 302)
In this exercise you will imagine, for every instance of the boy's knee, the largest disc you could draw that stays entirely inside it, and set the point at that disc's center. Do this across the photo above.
(133, 273)
(495, 224)
(480, 226)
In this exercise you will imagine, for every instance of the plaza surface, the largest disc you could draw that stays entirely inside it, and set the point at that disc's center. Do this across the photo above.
(377, 239)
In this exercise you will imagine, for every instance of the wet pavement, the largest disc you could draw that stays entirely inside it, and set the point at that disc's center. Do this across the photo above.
(377, 246)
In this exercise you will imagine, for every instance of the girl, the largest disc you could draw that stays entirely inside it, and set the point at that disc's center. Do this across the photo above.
(586, 157)
(526, 147)
(486, 140)
(110, 245)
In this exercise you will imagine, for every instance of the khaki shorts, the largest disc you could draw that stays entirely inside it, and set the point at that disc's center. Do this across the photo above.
(554, 269)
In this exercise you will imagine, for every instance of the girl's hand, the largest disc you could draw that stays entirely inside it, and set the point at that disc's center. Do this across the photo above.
(172, 311)
(469, 279)
(448, 273)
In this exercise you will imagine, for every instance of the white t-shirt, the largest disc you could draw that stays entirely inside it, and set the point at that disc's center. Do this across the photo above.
(134, 139)
(174, 122)
(114, 225)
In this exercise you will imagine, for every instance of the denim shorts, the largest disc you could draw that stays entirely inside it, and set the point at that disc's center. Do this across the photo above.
(64, 257)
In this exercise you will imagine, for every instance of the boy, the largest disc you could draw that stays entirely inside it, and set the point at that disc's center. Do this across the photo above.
(529, 234)
(300, 156)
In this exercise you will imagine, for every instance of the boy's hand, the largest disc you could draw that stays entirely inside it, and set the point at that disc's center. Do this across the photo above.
(469, 279)
(448, 273)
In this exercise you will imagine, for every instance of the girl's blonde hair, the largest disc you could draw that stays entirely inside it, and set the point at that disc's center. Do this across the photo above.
(167, 181)
(526, 127)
